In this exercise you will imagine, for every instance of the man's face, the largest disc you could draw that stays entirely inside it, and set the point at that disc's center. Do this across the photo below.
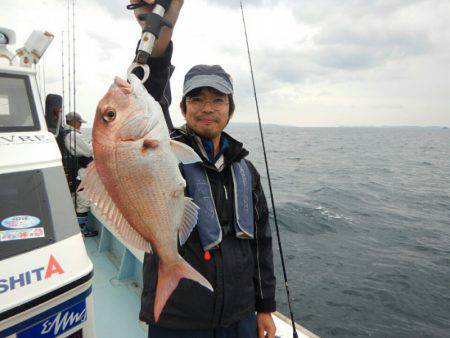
(74, 124)
(207, 113)
(56, 111)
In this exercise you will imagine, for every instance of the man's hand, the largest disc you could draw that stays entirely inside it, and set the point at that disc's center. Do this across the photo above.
(265, 323)
(142, 10)
(171, 14)
(166, 33)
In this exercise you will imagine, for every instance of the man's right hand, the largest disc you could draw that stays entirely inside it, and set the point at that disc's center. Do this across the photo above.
(143, 9)
(166, 33)
(171, 14)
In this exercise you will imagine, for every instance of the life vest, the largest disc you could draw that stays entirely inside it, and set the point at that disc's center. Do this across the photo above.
(208, 225)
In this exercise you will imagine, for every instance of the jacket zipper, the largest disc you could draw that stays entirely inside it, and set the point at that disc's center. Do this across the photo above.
(226, 194)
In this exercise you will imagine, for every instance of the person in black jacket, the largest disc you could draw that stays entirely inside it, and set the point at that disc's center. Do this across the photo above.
(232, 244)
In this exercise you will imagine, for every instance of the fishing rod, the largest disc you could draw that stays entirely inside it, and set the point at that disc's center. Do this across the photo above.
(295, 335)
(154, 22)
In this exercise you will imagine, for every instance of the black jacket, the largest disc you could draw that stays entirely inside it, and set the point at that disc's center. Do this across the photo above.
(240, 271)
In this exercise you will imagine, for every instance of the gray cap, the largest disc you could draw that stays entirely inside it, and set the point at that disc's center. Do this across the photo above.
(74, 117)
(208, 76)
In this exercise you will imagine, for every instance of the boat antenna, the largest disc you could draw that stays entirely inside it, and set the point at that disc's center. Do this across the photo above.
(75, 159)
(38, 79)
(63, 104)
(295, 335)
(43, 75)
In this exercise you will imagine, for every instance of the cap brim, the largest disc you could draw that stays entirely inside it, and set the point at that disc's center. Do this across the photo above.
(212, 81)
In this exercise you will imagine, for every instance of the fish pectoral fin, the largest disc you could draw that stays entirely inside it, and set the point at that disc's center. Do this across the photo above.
(189, 221)
(93, 189)
(177, 193)
(184, 153)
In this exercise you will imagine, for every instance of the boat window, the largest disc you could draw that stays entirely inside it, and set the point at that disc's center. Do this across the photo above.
(17, 107)
(25, 217)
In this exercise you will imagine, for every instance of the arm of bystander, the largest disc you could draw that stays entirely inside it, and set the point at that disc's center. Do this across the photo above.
(161, 69)
(80, 147)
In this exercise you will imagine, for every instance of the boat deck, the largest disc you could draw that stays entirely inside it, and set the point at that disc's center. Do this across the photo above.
(117, 287)
(116, 304)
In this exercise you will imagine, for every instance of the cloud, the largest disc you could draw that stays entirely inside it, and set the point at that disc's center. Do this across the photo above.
(321, 62)
(116, 8)
(366, 44)
(105, 42)
(236, 3)
(320, 11)
(360, 35)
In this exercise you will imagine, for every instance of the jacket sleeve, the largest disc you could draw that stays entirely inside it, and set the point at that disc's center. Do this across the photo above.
(158, 83)
(264, 277)
(80, 147)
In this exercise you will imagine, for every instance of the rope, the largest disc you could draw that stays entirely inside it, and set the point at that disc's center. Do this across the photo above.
(295, 335)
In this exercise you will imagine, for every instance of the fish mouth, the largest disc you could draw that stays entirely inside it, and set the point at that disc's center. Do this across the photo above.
(136, 127)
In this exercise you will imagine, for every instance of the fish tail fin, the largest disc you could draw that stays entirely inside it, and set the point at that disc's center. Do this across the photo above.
(168, 279)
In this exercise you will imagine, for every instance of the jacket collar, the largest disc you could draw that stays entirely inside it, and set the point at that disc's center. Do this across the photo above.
(235, 151)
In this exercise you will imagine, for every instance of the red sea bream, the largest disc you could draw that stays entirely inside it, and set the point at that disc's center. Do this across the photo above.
(136, 184)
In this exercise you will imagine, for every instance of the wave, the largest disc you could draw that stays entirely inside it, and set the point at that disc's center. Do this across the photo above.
(310, 220)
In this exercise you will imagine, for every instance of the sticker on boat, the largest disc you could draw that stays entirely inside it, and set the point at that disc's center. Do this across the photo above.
(20, 222)
(20, 234)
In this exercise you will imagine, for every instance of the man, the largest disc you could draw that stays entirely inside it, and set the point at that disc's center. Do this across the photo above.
(80, 152)
(231, 246)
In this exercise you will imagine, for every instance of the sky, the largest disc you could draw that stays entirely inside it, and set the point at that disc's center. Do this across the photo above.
(316, 62)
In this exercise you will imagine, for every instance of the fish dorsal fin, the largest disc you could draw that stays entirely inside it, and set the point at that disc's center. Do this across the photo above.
(92, 188)
(184, 153)
(189, 221)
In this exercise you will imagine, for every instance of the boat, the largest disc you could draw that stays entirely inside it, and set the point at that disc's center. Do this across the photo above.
(54, 283)
(45, 289)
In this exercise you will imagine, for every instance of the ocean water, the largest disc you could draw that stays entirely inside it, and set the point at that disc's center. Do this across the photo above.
(364, 215)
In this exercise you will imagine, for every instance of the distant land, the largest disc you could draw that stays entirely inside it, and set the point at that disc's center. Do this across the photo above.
(273, 125)
(254, 124)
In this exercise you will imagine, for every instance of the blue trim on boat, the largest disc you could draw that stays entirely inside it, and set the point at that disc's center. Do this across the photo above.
(40, 317)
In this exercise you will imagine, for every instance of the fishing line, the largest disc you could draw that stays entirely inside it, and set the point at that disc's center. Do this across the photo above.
(295, 335)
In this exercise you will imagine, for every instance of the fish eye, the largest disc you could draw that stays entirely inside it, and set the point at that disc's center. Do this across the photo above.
(109, 115)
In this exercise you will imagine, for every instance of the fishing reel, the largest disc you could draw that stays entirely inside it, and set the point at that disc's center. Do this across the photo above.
(154, 22)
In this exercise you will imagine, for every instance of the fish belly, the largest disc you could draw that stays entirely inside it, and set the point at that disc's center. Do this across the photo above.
(150, 190)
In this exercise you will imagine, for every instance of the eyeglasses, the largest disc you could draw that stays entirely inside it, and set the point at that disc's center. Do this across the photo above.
(199, 102)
